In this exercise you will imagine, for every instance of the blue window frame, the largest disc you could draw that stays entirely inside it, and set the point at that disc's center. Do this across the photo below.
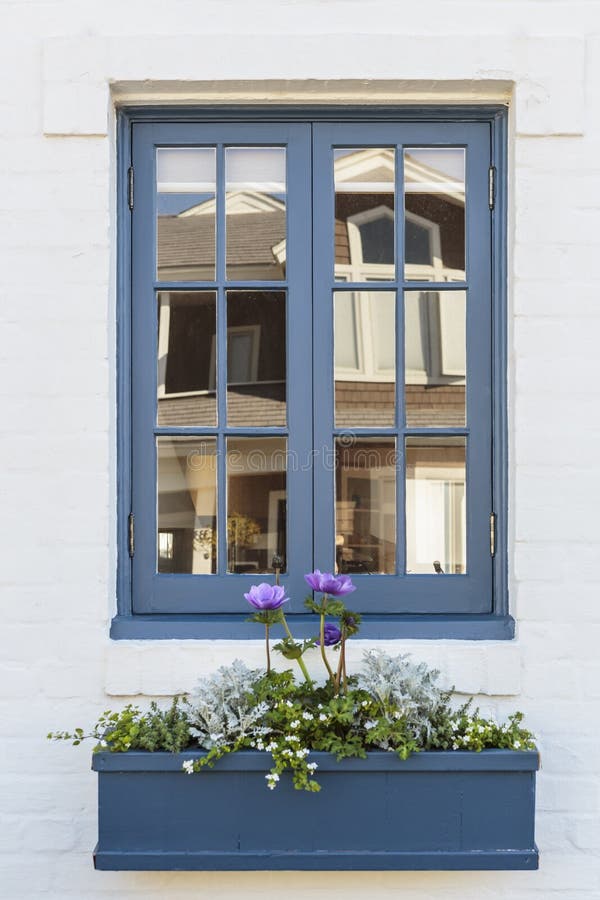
(311, 365)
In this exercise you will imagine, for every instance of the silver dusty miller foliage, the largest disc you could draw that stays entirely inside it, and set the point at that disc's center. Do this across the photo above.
(405, 688)
(221, 710)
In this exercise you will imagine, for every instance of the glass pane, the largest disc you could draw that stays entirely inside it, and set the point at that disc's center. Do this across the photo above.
(434, 200)
(365, 507)
(435, 358)
(364, 358)
(364, 214)
(186, 211)
(255, 213)
(186, 375)
(187, 505)
(436, 505)
(256, 503)
(256, 358)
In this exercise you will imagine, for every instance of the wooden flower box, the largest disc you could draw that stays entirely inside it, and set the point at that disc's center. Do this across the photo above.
(436, 810)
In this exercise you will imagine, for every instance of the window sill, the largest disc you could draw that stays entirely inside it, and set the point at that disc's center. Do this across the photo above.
(234, 627)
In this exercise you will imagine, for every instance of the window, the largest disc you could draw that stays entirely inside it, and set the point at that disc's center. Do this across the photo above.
(311, 368)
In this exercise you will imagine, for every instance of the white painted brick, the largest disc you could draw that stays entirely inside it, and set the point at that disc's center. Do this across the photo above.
(58, 668)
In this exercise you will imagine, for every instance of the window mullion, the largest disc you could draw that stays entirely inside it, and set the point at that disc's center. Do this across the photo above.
(221, 367)
(400, 368)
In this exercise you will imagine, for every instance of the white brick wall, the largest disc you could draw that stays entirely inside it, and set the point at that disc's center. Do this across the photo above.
(63, 64)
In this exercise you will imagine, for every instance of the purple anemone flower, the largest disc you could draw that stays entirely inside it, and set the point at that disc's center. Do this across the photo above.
(331, 635)
(334, 585)
(266, 596)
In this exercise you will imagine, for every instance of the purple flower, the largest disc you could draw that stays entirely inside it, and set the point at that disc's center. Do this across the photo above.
(331, 635)
(266, 596)
(334, 585)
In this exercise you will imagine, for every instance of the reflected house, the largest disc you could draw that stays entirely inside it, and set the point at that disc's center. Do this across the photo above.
(365, 352)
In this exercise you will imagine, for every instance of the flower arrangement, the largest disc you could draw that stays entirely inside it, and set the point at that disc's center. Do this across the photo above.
(393, 704)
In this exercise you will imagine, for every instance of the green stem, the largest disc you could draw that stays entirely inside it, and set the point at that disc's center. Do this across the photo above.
(322, 638)
(300, 661)
(267, 648)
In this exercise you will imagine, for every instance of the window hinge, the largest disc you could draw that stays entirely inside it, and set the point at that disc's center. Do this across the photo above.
(492, 186)
(492, 534)
(131, 534)
(130, 187)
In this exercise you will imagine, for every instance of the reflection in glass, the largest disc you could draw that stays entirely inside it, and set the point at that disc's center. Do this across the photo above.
(364, 214)
(365, 358)
(365, 507)
(436, 505)
(186, 213)
(255, 213)
(186, 358)
(256, 358)
(435, 358)
(434, 200)
(256, 503)
(187, 505)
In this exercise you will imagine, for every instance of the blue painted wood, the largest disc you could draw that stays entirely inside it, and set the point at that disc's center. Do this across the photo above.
(177, 597)
(223, 592)
(373, 627)
(433, 811)
(404, 593)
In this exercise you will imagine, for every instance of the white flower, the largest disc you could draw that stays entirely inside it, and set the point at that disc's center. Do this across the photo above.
(517, 744)
(272, 776)
(188, 766)
(270, 747)
(260, 745)
(295, 723)
(455, 746)
(322, 717)
(308, 716)
(365, 703)
(302, 753)
(312, 766)
(289, 703)
(291, 737)
(287, 752)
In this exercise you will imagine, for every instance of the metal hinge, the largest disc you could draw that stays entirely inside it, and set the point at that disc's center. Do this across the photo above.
(491, 186)
(130, 187)
(492, 534)
(131, 534)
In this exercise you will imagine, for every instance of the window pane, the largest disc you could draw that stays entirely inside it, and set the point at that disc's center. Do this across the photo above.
(435, 358)
(186, 213)
(187, 505)
(256, 503)
(434, 200)
(364, 214)
(365, 508)
(186, 375)
(256, 358)
(255, 213)
(364, 358)
(436, 505)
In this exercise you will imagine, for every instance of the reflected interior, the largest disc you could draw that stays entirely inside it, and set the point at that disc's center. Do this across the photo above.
(256, 503)
(186, 213)
(255, 204)
(435, 358)
(365, 508)
(436, 505)
(364, 358)
(434, 214)
(187, 505)
(256, 358)
(364, 214)
(186, 365)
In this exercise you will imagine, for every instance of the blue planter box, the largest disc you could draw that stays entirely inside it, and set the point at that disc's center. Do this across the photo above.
(456, 810)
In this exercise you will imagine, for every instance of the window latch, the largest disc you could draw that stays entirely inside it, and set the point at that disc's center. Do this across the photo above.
(492, 534)
(131, 534)
(491, 186)
(130, 187)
